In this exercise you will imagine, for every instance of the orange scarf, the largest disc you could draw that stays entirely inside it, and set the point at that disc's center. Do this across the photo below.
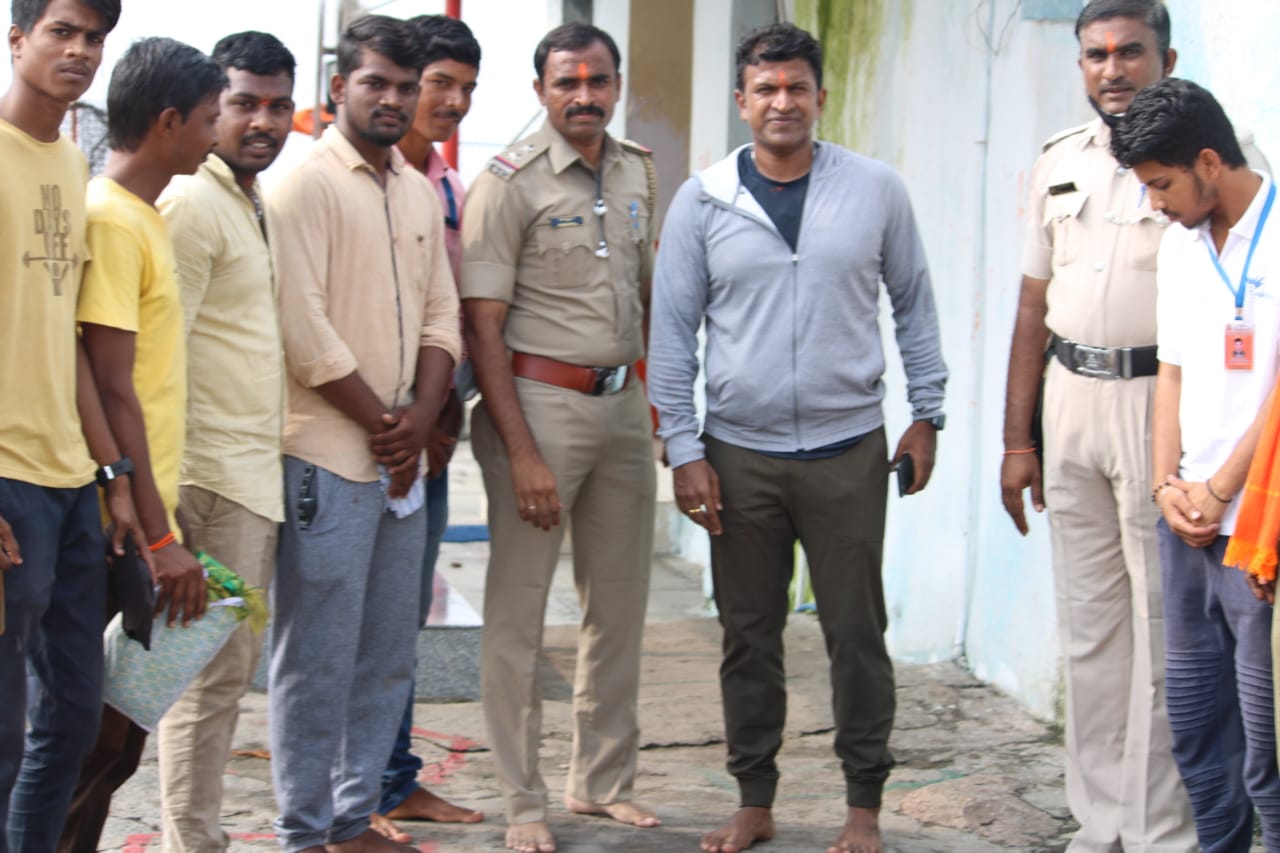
(1253, 544)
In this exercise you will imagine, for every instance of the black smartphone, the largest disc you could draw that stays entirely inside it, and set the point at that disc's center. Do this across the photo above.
(906, 469)
(307, 498)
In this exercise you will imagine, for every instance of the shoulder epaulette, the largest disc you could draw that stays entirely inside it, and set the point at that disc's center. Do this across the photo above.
(631, 145)
(515, 158)
(1065, 134)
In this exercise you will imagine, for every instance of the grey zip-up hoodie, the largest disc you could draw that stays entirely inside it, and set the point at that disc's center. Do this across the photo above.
(793, 353)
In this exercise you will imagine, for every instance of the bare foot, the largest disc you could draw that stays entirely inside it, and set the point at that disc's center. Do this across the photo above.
(369, 841)
(384, 826)
(748, 825)
(424, 805)
(861, 833)
(623, 812)
(532, 837)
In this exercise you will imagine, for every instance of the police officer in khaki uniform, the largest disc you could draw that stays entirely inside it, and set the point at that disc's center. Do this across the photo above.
(557, 256)
(1088, 303)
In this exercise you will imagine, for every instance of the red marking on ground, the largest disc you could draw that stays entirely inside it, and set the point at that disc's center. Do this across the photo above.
(143, 841)
(437, 771)
(429, 847)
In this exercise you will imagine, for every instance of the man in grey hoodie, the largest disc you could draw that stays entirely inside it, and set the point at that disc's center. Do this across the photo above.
(781, 249)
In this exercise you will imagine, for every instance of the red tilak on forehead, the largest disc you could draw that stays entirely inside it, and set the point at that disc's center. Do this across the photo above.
(1111, 43)
(782, 76)
(582, 72)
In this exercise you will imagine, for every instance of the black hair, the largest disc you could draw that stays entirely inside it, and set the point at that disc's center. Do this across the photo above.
(442, 37)
(778, 43)
(574, 35)
(25, 13)
(383, 35)
(153, 75)
(1171, 122)
(1153, 13)
(258, 53)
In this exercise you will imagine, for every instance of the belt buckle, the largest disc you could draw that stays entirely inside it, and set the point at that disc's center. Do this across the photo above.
(1098, 362)
(609, 380)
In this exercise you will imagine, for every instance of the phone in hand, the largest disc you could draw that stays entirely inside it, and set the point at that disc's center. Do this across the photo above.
(906, 469)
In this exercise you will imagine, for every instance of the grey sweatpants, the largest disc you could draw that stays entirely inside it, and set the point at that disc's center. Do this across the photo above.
(345, 605)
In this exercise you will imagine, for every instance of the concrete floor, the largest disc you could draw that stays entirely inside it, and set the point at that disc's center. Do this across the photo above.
(974, 772)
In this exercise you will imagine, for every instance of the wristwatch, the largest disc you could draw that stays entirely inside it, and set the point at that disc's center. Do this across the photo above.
(938, 422)
(107, 473)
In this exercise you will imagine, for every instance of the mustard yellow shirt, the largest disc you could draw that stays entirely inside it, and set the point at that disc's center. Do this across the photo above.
(235, 360)
(42, 257)
(131, 286)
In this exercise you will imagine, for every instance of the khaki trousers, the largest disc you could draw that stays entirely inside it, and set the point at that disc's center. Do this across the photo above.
(601, 452)
(1122, 784)
(194, 736)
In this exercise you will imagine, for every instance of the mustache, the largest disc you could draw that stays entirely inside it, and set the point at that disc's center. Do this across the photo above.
(584, 109)
(79, 67)
(392, 113)
(260, 137)
(452, 115)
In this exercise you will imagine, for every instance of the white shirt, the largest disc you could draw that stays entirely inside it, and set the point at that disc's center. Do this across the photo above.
(1193, 308)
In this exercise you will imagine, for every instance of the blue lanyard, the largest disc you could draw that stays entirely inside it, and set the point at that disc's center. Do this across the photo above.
(1238, 292)
(451, 216)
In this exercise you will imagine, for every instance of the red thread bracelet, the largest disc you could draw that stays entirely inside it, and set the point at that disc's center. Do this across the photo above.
(163, 542)
(1019, 452)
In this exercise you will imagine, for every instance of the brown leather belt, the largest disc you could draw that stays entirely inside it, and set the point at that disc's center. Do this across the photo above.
(595, 381)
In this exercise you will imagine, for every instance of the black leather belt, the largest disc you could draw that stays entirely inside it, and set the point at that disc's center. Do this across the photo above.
(1105, 362)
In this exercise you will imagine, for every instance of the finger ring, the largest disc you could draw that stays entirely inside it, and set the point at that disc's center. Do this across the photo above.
(695, 511)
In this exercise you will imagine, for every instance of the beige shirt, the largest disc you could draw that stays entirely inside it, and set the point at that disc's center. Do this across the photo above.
(1092, 233)
(530, 236)
(364, 284)
(235, 360)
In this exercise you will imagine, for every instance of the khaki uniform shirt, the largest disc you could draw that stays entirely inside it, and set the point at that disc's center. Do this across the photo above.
(529, 239)
(235, 363)
(1092, 233)
(364, 284)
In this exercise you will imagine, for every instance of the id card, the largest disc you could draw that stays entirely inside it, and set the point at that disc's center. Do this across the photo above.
(1238, 346)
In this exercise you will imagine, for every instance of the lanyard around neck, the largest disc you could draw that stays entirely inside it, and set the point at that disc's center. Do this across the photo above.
(1238, 291)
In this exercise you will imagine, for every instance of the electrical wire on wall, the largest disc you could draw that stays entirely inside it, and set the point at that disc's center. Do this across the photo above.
(987, 30)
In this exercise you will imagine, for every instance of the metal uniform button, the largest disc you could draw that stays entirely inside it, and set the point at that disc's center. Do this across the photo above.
(1099, 266)
(1111, 216)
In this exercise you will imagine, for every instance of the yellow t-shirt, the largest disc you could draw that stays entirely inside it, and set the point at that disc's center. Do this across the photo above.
(131, 285)
(42, 257)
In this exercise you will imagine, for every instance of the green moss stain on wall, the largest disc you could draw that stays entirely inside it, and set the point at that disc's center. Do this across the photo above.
(852, 33)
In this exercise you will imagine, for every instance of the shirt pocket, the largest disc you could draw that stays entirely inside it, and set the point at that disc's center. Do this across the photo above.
(567, 254)
(1144, 236)
(1062, 219)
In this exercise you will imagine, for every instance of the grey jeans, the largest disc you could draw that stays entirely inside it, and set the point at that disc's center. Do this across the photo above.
(345, 607)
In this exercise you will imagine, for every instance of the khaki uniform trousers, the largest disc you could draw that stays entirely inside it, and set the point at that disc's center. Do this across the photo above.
(194, 736)
(601, 452)
(1122, 784)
